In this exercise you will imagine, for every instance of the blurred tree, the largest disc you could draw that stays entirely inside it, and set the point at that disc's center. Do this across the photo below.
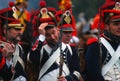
(89, 7)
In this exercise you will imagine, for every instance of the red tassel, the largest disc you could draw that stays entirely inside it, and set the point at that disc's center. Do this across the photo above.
(42, 4)
(91, 40)
(11, 4)
(68, 6)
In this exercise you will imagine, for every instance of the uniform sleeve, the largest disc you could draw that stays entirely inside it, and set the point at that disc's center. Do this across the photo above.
(93, 65)
(34, 54)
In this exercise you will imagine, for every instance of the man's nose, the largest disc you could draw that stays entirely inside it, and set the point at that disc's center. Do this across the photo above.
(52, 37)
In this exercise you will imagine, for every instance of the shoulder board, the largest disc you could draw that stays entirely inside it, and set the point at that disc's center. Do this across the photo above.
(91, 40)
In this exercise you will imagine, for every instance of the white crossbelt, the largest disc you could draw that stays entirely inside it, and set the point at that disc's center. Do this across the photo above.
(53, 58)
(115, 56)
(17, 58)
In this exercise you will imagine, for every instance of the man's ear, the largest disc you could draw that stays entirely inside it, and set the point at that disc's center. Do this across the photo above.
(4, 31)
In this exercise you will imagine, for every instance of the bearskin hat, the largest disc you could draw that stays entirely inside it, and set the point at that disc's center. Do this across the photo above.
(44, 14)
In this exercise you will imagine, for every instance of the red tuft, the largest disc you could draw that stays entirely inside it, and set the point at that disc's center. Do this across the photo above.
(11, 4)
(96, 22)
(68, 6)
(91, 40)
(42, 4)
(72, 44)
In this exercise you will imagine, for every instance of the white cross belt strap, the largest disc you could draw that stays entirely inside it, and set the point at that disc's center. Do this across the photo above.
(115, 56)
(17, 58)
(51, 60)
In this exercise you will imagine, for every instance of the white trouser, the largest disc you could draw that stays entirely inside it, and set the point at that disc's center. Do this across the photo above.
(20, 78)
(51, 76)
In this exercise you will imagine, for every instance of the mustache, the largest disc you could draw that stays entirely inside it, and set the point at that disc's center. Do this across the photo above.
(16, 39)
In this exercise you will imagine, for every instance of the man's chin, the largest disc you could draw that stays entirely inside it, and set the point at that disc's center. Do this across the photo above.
(52, 44)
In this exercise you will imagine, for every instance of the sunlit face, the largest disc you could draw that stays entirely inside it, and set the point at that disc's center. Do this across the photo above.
(114, 28)
(66, 36)
(52, 36)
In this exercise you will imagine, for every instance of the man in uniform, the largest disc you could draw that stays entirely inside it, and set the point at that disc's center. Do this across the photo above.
(48, 50)
(11, 54)
(102, 57)
(66, 31)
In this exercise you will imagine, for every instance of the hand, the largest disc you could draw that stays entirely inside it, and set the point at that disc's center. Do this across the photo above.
(61, 78)
(42, 28)
(8, 49)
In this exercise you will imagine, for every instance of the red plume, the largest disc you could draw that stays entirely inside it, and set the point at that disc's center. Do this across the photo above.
(68, 6)
(11, 4)
(42, 4)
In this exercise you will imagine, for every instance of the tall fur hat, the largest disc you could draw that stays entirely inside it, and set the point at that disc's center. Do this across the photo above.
(9, 17)
(44, 14)
(65, 19)
(110, 11)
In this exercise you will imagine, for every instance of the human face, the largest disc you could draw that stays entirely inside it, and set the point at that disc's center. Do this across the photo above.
(114, 28)
(14, 34)
(66, 36)
(52, 36)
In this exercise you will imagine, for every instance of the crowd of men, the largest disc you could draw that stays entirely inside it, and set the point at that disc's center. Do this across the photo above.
(45, 46)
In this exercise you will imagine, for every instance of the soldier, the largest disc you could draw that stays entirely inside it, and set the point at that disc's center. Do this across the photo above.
(11, 54)
(66, 31)
(47, 52)
(67, 22)
(102, 57)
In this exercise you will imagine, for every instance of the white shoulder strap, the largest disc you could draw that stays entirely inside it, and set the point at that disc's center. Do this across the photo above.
(48, 50)
(69, 49)
(107, 45)
(115, 56)
(51, 60)
(17, 57)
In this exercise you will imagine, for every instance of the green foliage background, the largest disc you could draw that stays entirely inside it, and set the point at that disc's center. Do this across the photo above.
(89, 7)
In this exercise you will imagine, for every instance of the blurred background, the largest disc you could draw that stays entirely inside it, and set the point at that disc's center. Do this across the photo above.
(88, 8)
